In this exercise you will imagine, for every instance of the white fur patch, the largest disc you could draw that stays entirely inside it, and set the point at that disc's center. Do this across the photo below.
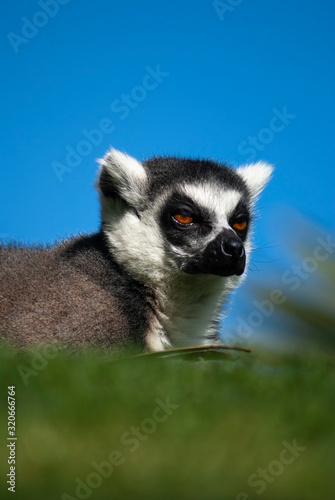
(256, 176)
(192, 305)
(126, 174)
(220, 202)
(137, 245)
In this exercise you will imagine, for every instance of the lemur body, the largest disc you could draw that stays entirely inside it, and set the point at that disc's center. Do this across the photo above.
(174, 242)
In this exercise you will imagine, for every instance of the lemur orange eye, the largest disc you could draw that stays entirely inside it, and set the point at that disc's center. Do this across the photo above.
(240, 226)
(183, 219)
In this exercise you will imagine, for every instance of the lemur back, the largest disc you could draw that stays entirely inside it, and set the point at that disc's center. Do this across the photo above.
(73, 294)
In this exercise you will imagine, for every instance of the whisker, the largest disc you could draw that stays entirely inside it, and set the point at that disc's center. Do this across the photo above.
(268, 261)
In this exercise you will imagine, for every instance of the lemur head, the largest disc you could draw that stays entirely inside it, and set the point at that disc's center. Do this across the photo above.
(169, 215)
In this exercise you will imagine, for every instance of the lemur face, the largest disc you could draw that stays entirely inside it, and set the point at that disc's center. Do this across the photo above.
(192, 216)
(206, 240)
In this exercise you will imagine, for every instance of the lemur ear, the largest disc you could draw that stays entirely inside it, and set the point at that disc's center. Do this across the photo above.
(256, 176)
(122, 176)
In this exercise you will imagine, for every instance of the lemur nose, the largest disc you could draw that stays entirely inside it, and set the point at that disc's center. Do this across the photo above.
(234, 248)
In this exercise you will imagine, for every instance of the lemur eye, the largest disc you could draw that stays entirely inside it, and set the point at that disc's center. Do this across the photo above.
(183, 219)
(240, 226)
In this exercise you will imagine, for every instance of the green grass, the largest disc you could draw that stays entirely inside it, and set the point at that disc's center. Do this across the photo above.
(232, 419)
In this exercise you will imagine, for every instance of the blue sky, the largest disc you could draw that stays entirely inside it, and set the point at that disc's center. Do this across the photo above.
(233, 81)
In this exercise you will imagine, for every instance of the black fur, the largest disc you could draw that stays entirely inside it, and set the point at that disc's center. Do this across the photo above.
(164, 170)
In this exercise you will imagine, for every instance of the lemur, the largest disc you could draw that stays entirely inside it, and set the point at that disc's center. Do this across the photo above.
(174, 241)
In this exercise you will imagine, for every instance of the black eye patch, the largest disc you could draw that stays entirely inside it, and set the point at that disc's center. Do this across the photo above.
(240, 215)
(181, 219)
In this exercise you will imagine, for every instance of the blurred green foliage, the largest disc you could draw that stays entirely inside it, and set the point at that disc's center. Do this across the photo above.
(305, 318)
(229, 423)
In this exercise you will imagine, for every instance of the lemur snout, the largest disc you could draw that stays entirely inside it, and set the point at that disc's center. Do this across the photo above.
(234, 248)
(225, 255)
